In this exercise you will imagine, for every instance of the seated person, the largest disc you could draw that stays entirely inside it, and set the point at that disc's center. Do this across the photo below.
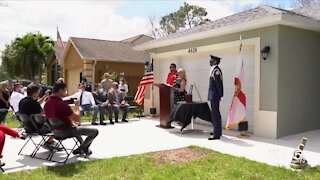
(116, 100)
(16, 97)
(87, 102)
(101, 99)
(29, 105)
(87, 86)
(4, 102)
(57, 109)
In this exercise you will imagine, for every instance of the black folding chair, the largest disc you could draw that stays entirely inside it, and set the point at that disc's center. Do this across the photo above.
(20, 128)
(43, 129)
(32, 131)
(3, 113)
(15, 116)
(133, 106)
(60, 135)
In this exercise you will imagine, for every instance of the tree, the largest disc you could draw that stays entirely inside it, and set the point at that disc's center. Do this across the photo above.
(3, 74)
(301, 3)
(26, 56)
(155, 31)
(188, 16)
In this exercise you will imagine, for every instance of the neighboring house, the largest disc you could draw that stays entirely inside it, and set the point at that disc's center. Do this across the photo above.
(282, 91)
(91, 58)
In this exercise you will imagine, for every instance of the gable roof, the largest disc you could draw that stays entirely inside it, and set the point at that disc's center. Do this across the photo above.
(258, 17)
(104, 50)
(312, 10)
(59, 51)
(138, 39)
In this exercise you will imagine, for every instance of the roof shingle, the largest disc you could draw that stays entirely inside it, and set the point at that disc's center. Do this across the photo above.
(312, 11)
(105, 50)
(245, 16)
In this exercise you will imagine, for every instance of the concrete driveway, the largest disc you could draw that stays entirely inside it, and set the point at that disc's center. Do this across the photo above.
(141, 136)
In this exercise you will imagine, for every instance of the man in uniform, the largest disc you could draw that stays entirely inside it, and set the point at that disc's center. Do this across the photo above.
(215, 94)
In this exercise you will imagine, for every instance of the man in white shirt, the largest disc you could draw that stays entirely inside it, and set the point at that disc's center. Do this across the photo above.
(16, 96)
(87, 102)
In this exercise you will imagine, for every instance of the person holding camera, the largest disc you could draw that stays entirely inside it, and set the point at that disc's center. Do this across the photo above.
(32, 105)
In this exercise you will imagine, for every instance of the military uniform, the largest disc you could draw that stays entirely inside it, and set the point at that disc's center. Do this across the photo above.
(215, 93)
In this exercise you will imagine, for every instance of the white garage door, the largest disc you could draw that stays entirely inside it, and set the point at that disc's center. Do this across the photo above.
(197, 69)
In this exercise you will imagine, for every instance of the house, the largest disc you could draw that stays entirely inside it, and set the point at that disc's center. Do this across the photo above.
(282, 91)
(91, 58)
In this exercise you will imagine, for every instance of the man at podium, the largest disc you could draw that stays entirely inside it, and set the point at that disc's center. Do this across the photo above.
(172, 75)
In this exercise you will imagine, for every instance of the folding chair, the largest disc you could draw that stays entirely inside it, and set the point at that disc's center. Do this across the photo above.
(133, 106)
(40, 121)
(60, 135)
(31, 130)
(3, 113)
(20, 128)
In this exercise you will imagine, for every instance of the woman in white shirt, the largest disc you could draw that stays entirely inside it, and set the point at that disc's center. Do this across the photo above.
(123, 87)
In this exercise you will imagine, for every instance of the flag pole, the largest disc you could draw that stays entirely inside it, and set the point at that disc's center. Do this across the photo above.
(240, 44)
(152, 94)
(243, 133)
(56, 64)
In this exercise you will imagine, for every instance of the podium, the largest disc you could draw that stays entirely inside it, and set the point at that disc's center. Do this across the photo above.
(165, 94)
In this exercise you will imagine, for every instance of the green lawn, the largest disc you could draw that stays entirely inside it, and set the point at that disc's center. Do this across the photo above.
(214, 165)
(13, 123)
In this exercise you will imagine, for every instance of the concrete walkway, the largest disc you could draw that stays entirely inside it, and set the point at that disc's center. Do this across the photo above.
(140, 136)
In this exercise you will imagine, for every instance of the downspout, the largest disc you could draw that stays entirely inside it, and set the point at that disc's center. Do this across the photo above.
(94, 75)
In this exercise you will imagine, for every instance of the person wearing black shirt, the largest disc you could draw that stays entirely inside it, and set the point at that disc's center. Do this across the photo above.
(30, 105)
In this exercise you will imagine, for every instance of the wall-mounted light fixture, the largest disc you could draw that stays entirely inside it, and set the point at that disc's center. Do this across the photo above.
(146, 64)
(265, 52)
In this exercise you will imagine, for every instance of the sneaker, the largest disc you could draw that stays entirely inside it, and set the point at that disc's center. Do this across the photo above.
(214, 138)
(77, 152)
(87, 152)
(22, 135)
(123, 120)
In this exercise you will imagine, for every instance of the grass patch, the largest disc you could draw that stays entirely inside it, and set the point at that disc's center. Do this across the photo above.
(213, 165)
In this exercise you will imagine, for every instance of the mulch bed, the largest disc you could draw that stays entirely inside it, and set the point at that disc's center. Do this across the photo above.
(179, 155)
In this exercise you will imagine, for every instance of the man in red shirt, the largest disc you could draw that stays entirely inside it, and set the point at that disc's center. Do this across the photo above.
(57, 109)
(172, 75)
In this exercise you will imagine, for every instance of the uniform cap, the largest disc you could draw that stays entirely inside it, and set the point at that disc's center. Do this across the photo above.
(214, 58)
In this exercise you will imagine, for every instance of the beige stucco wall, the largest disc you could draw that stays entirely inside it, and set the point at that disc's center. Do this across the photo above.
(298, 93)
(72, 66)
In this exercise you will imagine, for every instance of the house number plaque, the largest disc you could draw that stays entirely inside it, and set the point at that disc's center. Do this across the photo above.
(192, 50)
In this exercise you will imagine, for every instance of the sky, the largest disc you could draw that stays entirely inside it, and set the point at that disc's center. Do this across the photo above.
(109, 19)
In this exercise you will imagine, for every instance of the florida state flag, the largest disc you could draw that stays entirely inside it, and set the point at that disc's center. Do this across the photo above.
(237, 113)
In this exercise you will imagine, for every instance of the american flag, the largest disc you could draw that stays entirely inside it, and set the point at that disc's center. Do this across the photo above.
(146, 80)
